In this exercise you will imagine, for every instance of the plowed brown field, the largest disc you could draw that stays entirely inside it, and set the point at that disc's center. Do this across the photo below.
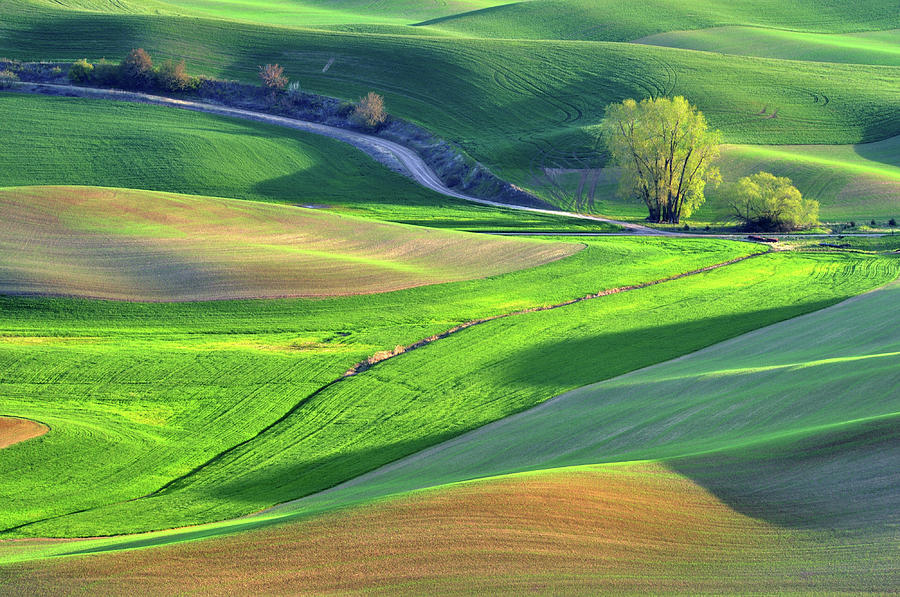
(634, 528)
(149, 246)
(13, 430)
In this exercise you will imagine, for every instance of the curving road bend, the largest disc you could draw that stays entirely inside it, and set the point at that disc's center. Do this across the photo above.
(409, 162)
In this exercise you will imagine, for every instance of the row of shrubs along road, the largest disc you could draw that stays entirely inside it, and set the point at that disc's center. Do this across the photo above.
(278, 95)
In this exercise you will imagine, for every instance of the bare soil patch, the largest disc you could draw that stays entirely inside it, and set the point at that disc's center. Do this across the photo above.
(14, 430)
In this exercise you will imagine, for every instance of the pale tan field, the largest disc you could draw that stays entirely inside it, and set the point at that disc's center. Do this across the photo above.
(149, 246)
(628, 528)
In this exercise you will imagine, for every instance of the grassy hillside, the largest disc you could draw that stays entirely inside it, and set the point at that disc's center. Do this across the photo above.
(871, 47)
(139, 245)
(71, 141)
(301, 443)
(175, 384)
(608, 20)
(301, 13)
(515, 105)
(758, 502)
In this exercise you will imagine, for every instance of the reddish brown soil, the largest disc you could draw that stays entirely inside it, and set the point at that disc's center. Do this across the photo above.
(634, 529)
(13, 431)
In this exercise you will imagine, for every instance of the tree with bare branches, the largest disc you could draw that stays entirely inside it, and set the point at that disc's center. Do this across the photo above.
(369, 111)
(273, 77)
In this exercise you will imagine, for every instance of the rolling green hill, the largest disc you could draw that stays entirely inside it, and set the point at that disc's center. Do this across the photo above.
(301, 13)
(70, 141)
(175, 384)
(759, 502)
(871, 47)
(607, 20)
(303, 437)
(514, 105)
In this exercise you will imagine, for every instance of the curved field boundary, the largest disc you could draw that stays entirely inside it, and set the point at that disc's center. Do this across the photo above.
(14, 430)
(382, 356)
(385, 355)
(387, 152)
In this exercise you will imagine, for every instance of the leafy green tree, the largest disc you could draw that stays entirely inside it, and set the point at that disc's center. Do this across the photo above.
(81, 71)
(767, 202)
(665, 150)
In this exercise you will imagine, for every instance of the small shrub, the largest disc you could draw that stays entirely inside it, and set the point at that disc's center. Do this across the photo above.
(873, 223)
(686, 227)
(137, 70)
(852, 224)
(106, 74)
(707, 228)
(56, 70)
(369, 111)
(172, 76)
(293, 92)
(81, 71)
(273, 77)
(892, 222)
(7, 78)
(345, 110)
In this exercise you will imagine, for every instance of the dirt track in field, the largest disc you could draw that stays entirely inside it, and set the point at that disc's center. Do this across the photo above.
(381, 149)
(14, 430)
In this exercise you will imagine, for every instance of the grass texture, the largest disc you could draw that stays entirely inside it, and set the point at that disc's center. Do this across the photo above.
(301, 443)
(606, 20)
(71, 141)
(141, 245)
(871, 47)
(516, 105)
(736, 503)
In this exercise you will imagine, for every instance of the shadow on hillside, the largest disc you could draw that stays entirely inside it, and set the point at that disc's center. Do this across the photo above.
(582, 360)
(885, 152)
(843, 480)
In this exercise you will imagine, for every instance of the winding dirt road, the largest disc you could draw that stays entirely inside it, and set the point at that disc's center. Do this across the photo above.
(408, 161)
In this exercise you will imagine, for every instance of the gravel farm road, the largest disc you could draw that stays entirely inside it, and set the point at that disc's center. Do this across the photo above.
(383, 150)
